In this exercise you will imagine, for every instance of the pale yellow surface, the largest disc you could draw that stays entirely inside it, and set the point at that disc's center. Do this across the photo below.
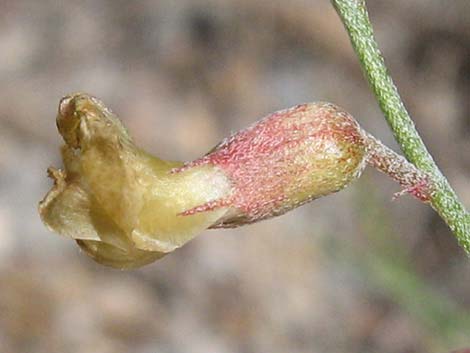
(122, 205)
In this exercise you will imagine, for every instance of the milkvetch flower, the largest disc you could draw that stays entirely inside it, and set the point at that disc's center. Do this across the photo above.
(126, 208)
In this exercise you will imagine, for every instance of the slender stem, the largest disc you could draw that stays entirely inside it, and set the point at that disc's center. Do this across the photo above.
(415, 181)
(355, 18)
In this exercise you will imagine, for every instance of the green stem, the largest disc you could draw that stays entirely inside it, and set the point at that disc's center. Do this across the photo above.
(355, 18)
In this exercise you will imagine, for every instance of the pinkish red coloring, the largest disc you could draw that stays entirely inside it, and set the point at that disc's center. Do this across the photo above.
(284, 160)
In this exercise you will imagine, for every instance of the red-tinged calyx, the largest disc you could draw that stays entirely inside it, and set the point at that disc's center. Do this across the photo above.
(285, 160)
(296, 155)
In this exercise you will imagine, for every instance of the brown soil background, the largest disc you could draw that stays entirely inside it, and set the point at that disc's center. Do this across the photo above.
(353, 272)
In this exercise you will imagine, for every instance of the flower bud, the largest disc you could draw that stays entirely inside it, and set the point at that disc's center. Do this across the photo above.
(126, 208)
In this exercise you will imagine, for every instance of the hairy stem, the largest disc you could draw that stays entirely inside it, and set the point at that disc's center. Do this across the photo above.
(413, 180)
(443, 199)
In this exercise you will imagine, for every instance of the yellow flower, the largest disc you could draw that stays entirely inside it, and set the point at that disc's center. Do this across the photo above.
(126, 208)
(121, 204)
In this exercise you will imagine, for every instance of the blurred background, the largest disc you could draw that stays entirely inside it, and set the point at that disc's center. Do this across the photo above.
(353, 272)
